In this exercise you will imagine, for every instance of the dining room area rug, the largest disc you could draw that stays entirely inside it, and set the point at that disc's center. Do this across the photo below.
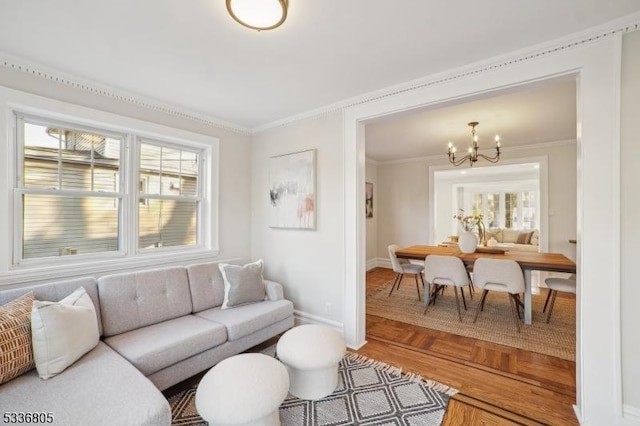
(495, 323)
(369, 392)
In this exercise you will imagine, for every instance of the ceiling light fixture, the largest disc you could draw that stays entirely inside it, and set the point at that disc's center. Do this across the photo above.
(260, 15)
(473, 155)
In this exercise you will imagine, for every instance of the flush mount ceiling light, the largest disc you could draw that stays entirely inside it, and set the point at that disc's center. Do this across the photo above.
(260, 15)
(473, 155)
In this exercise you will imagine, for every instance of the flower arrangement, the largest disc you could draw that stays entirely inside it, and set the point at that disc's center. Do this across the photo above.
(469, 223)
(472, 223)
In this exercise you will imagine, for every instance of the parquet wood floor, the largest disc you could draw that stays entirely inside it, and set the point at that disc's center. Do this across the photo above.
(498, 384)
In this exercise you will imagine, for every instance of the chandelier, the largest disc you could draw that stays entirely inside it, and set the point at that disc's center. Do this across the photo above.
(473, 155)
(258, 15)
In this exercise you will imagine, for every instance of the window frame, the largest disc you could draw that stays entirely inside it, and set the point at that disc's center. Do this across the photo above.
(200, 197)
(501, 188)
(127, 194)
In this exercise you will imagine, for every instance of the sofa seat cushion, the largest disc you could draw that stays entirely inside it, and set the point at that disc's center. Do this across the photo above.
(157, 346)
(241, 321)
(101, 388)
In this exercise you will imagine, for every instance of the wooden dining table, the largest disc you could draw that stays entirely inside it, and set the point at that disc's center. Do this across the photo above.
(528, 261)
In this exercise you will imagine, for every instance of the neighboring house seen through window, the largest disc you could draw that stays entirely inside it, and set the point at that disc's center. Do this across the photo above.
(71, 197)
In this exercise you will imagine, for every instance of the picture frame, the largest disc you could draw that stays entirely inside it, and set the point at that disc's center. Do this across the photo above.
(292, 190)
(368, 198)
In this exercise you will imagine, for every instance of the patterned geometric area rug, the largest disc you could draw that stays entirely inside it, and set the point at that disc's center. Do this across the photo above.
(495, 323)
(369, 393)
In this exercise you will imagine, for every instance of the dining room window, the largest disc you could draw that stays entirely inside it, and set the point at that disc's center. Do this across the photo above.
(514, 209)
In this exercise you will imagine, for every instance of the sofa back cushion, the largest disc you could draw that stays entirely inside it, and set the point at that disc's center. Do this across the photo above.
(207, 286)
(138, 299)
(496, 234)
(56, 291)
(510, 235)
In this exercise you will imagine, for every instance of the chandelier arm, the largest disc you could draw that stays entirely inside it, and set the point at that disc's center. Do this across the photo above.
(493, 159)
(459, 161)
(473, 155)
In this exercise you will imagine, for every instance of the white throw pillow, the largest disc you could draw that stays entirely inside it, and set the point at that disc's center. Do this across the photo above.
(242, 284)
(62, 332)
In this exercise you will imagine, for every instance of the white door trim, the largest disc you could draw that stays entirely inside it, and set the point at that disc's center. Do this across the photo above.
(596, 64)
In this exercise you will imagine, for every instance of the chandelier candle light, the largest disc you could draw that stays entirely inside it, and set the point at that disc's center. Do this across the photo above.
(473, 155)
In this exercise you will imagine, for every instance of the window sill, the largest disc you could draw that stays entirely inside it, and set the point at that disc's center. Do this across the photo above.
(91, 267)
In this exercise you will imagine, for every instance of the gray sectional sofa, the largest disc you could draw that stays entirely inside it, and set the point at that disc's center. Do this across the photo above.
(158, 328)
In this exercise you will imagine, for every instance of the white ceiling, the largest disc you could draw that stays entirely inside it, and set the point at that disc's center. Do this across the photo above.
(535, 114)
(191, 54)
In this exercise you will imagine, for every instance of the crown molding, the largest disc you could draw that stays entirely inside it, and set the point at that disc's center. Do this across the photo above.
(626, 24)
(41, 71)
(440, 158)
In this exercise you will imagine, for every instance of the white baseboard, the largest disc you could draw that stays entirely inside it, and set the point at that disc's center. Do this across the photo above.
(372, 263)
(576, 411)
(301, 318)
(378, 262)
(631, 413)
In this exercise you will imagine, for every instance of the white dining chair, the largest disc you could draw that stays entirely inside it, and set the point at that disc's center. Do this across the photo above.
(555, 284)
(502, 275)
(440, 271)
(402, 267)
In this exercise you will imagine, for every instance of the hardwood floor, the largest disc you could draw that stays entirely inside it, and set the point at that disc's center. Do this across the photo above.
(498, 384)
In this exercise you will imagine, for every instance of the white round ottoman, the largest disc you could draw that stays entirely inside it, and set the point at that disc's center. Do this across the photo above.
(245, 389)
(311, 354)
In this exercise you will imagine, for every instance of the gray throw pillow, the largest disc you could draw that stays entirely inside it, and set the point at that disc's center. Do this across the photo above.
(242, 284)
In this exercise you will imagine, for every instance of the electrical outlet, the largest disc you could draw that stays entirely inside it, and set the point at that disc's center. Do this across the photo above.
(327, 308)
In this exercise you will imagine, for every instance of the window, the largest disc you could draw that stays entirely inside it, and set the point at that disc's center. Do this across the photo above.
(71, 196)
(170, 202)
(508, 208)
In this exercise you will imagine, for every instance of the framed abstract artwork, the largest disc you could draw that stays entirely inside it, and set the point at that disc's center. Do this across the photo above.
(292, 190)
(368, 198)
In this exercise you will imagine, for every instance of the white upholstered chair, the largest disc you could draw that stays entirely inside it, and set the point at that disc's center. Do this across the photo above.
(567, 285)
(445, 271)
(403, 266)
(503, 275)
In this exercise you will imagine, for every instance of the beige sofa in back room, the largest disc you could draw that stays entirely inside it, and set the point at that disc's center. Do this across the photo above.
(514, 239)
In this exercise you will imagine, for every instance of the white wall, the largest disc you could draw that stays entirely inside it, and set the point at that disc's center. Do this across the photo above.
(630, 212)
(371, 176)
(234, 179)
(405, 213)
(308, 263)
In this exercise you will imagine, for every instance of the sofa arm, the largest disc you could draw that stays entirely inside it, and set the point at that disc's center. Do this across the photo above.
(274, 290)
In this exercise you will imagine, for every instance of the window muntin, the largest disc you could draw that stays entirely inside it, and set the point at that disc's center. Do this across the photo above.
(171, 204)
(69, 159)
(71, 198)
(504, 209)
(67, 190)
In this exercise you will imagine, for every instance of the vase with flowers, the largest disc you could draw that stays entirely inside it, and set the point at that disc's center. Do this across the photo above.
(469, 225)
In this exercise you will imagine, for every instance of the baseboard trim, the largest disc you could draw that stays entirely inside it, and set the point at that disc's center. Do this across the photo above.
(381, 262)
(372, 263)
(301, 318)
(576, 411)
(631, 412)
